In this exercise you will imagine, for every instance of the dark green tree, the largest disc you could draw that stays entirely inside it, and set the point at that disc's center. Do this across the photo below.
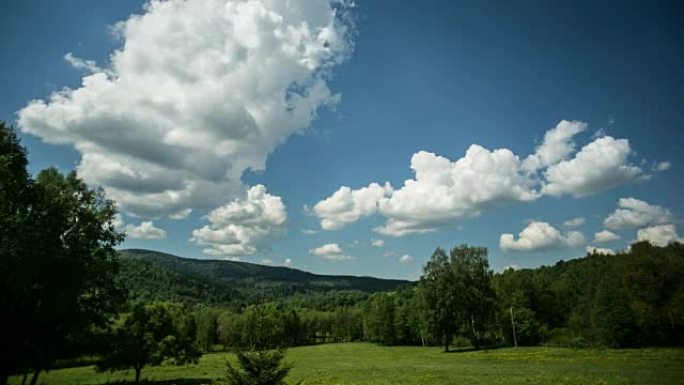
(612, 316)
(58, 261)
(15, 226)
(149, 335)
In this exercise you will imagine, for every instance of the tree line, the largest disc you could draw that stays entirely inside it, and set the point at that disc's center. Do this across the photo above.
(62, 296)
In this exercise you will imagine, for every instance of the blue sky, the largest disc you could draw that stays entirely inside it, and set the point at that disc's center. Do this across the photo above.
(205, 103)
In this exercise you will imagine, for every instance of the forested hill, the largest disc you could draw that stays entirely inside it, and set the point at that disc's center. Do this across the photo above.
(152, 275)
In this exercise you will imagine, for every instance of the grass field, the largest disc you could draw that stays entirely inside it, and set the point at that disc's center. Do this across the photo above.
(362, 363)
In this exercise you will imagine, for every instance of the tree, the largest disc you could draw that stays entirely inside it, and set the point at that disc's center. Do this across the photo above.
(58, 261)
(15, 214)
(458, 293)
(437, 288)
(474, 292)
(149, 335)
(612, 317)
(259, 368)
(380, 319)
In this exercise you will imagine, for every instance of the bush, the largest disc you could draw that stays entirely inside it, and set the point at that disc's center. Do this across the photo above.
(259, 368)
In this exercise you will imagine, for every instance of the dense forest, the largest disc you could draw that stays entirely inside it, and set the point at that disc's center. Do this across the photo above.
(635, 298)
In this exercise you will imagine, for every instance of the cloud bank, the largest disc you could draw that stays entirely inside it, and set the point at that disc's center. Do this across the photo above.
(444, 191)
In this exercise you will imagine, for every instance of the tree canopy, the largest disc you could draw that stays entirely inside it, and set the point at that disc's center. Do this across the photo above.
(58, 267)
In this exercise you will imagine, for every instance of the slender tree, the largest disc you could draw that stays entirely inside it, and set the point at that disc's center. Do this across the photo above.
(437, 288)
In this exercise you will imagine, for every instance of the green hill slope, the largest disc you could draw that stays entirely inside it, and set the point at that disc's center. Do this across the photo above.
(154, 275)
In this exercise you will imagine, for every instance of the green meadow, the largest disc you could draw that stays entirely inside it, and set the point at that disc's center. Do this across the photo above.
(364, 363)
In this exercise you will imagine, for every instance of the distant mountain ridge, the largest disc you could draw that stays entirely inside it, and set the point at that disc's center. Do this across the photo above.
(155, 275)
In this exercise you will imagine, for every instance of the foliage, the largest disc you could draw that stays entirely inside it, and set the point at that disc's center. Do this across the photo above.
(57, 263)
(258, 368)
(458, 293)
(150, 335)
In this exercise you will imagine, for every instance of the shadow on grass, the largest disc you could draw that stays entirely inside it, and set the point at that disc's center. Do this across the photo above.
(180, 381)
(472, 349)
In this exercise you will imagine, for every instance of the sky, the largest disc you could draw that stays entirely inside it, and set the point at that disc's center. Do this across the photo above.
(356, 137)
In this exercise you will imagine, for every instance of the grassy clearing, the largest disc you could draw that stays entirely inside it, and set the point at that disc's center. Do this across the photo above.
(362, 363)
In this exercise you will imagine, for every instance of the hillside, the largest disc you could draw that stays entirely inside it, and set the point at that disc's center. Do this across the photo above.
(154, 275)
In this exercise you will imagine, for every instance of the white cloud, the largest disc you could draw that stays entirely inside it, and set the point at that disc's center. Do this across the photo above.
(377, 243)
(604, 236)
(309, 231)
(574, 223)
(540, 236)
(660, 235)
(199, 92)
(599, 165)
(443, 191)
(347, 205)
(287, 262)
(267, 261)
(145, 230)
(599, 250)
(331, 252)
(88, 66)
(634, 213)
(557, 145)
(406, 258)
(662, 166)
(243, 226)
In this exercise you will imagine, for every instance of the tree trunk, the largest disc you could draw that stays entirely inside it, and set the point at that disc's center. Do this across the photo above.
(23, 379)
(137, 376)
(34, 378)
(446, 343)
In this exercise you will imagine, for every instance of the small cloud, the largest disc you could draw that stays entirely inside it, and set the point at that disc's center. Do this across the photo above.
(575, 222)
(267, 261)
(388, 253)
(634, 213)
(406, 258)
(145, 231)
(88, 66)
(309, 231)
(661, 235)
(331, 252)
(605, 236)
(287, 262)
(377, 243)
(181, 214)
(662, 166)
(538, 236)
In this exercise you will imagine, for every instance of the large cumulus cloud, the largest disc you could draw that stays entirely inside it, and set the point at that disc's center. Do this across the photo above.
(199, 92)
